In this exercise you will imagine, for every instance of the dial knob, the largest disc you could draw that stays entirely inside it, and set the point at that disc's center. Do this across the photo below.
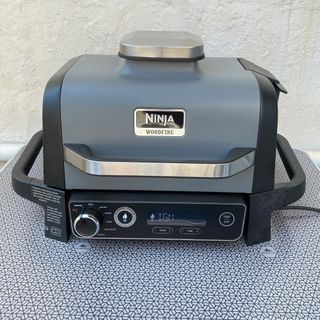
(87, 224)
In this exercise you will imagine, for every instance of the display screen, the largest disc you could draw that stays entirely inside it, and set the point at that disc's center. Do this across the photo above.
(175, 219)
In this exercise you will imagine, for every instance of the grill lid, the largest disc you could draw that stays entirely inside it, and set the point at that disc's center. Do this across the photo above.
(161, 45)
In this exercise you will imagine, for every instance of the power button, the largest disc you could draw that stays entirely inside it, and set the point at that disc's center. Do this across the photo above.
(226, 219)
(125, 217)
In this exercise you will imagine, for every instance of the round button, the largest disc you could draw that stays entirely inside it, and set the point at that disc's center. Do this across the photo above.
(125, 217)
(87, 224)
(226, 219)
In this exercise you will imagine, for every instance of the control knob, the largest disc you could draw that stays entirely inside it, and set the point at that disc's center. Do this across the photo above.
(87, 224)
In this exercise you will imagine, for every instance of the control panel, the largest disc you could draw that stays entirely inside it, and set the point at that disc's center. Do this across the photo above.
(117, 215)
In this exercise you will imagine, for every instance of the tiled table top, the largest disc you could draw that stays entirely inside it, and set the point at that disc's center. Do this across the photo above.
(44, 279)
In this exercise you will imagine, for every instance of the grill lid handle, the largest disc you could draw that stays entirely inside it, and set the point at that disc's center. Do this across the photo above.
(81, 157)
(161, 45)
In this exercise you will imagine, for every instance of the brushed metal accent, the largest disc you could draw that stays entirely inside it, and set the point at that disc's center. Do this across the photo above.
(161, 45)
(158, 169)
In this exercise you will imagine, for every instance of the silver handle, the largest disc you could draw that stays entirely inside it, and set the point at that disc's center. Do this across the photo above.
(84, 162)
(161, 45)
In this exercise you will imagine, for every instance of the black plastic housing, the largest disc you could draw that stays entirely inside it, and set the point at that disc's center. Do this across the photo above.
(52, 135)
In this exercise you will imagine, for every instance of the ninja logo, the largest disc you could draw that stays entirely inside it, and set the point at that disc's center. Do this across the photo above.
(159, 119)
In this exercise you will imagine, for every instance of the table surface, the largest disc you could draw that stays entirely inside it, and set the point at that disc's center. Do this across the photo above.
(44, 279)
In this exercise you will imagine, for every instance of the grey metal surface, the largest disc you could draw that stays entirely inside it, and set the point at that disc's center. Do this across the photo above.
(158, 169)
(161, 45)
(45, 279)
(101, 93)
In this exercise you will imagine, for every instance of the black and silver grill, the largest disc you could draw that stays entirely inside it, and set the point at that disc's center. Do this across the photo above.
(160, 142)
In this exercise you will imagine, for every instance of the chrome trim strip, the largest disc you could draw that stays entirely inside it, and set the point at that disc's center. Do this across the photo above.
(158, 169)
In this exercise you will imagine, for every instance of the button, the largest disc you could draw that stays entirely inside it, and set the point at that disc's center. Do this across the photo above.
(125, 217)
(162, 230)
(191, 231)
(226, 219)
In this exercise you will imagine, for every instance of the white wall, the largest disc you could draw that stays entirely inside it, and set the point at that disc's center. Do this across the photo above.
(37, 37)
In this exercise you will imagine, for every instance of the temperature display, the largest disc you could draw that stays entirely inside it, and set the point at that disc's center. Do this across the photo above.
(175, 219)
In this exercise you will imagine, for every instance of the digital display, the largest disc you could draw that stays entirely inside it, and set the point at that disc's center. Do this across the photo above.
(175, 219)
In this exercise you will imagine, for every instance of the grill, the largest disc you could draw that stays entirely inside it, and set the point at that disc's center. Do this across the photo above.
(160, 142)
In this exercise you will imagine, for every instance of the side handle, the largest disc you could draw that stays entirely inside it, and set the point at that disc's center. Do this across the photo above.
(258, 226)
(294, 189)
(21, 182)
